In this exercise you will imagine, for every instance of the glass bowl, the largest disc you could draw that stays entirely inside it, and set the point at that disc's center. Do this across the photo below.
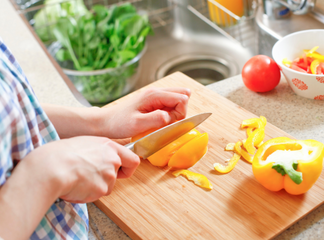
(105, 85)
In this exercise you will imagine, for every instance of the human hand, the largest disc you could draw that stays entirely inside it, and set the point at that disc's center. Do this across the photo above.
(85, 168)
(151, 109)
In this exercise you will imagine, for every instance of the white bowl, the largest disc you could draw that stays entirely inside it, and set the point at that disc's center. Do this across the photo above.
(291, 47)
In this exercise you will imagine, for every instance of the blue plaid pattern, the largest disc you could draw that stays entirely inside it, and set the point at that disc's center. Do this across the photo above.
(24, 126)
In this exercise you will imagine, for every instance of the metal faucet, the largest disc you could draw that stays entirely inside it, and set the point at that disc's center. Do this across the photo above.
(281, 9)
(298, 7)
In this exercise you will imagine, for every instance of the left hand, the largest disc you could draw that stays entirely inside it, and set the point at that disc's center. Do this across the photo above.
(152, 109)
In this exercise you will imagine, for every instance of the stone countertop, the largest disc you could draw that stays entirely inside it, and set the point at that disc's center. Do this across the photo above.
(300, 117)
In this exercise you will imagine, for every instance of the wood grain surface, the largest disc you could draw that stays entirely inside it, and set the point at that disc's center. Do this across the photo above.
(153, 204)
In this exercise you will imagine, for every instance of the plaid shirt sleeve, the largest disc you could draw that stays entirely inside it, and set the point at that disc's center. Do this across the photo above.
(24, 126)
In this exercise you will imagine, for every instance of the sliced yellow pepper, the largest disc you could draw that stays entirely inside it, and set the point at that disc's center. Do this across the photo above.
(230, 166)
(284, 163)
(249, 131)
(264, 120)
(313, 50)
(286, 62)
(252, 122)
(197, 178)
(314, 65)
(190, 153)
(242, 152)
(254, 139)
(316, 56)
(162, 157)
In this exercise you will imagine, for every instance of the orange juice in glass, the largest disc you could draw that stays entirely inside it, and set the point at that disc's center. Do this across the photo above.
(220, 17)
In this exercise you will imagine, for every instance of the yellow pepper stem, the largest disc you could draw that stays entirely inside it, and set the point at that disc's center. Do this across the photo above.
(289, 167)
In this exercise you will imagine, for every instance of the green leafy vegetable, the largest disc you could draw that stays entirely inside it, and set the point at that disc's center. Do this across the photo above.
(46, 18)
(97, 39)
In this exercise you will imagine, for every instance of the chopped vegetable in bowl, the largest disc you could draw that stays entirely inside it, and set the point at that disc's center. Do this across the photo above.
(310, 62)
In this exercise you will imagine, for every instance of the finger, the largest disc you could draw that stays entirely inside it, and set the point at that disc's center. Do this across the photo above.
(154, 120)
(180, 90)
(111, 184)
(175, 104)
(129, 161)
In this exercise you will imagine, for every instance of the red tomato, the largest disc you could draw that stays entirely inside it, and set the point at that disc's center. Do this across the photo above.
(261, 74)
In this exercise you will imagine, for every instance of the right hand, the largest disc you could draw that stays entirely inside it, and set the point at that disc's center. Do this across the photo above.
(86, 168)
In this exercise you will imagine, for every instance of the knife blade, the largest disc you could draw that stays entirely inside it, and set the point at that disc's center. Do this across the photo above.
(154, 141)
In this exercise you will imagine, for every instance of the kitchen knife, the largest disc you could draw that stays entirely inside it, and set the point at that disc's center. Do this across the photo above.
(154, 141)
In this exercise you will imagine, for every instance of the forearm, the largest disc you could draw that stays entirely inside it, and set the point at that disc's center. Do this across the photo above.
(24, 200)
(71, 122)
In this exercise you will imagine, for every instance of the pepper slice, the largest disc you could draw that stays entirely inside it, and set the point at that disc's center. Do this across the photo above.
(286, 62)
(284, 163)
(242, 152)
(314, 65)
(197, 178)
(252, 122)
(255, 138)
(162, 157)
(230, 166)
(190, 153)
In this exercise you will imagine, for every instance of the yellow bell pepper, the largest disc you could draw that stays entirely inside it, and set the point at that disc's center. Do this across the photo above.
(284, 163)
(190, 153)
(162, 157)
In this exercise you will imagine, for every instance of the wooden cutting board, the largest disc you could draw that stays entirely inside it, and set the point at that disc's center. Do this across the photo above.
(153, 204)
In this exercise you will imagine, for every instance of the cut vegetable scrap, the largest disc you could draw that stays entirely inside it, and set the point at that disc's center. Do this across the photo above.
(197, 178)
(242, 152)
(230, 147)
(230, 166)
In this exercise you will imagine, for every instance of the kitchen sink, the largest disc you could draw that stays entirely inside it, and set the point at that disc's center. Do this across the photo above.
(191, 46)
(181, 42)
